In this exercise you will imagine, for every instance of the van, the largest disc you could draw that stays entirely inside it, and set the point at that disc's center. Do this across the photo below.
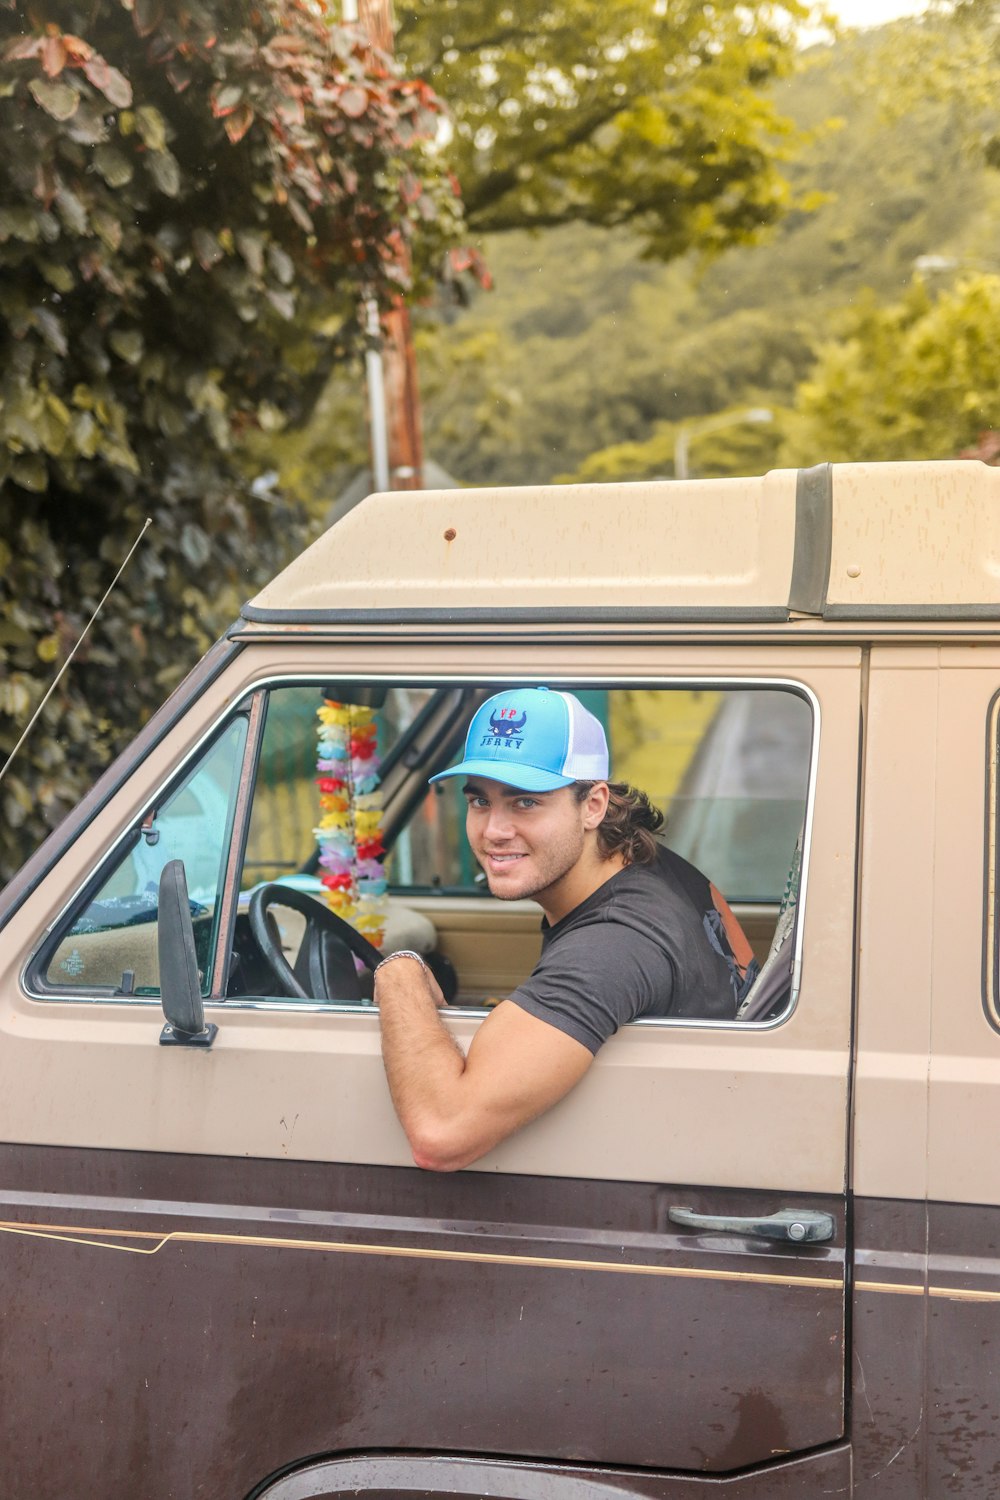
(750, 1259)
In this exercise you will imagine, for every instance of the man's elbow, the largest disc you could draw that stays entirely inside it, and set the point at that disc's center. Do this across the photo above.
(444, 1148)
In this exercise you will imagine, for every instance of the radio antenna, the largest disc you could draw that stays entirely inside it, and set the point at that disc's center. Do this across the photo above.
(59, 675)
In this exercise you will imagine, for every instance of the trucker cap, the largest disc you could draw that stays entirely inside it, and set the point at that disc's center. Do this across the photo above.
(535, 740)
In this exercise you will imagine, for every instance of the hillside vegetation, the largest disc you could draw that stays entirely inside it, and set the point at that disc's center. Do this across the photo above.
(583, 360)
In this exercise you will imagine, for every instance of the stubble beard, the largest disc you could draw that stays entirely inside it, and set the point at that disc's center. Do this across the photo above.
(550, 866)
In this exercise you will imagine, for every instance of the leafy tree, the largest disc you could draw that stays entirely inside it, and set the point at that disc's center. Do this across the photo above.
(634, 113)
(948, 53)
(912, 380)
(653, 124)
(727, 447)
(193, 199)
(600, 347)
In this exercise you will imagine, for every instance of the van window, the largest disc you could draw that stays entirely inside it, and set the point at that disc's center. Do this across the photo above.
(728, 767)
(113, 934)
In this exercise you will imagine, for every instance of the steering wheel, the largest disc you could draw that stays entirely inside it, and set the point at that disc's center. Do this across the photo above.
(322, 958)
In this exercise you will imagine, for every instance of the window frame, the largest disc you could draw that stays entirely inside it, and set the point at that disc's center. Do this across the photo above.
(255, 701)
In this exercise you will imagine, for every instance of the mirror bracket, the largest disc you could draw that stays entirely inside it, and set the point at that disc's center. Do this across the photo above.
(171, 1037)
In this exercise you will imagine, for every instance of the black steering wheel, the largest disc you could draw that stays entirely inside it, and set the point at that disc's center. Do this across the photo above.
(322, 960)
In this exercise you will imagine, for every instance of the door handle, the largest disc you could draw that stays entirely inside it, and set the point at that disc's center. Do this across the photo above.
(807, 1226)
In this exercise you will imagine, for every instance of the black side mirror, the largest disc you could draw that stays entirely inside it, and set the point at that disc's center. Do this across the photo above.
(180, 982)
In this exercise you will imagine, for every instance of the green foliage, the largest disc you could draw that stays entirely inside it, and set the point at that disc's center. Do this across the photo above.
(636, 112)
(912, 380)
(949, 54)
(599, 348)
(193, 198)
(653, 126)
(730, 446)
(469, 389)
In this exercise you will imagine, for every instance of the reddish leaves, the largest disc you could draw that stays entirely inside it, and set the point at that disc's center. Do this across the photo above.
(239, 123)
(225, 100)
(22, 47)
(113, 85)
(58, 51)
(465, 259)
(353, 101)
(410, 187)
(53, 56)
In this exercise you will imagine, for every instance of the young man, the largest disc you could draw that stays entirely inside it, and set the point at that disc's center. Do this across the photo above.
(630, 930)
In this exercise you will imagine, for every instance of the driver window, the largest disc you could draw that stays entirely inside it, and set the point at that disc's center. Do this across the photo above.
(376, 846)
(729, 768)
(112, 934)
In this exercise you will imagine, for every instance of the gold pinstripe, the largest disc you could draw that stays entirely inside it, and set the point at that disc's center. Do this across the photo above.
(102, 1239)
(910, 1289)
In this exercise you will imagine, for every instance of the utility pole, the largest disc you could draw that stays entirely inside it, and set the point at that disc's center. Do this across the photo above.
(393, 394)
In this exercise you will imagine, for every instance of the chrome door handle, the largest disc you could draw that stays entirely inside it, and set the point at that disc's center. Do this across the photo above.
(806, 1227)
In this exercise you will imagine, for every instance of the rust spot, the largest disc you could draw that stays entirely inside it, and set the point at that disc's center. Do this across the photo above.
(450, 534)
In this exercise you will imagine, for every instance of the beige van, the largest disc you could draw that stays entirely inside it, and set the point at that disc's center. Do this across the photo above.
(754, 1259)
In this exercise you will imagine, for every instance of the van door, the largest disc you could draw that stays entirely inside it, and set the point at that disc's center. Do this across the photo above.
(927, 1090)
(218, 1263)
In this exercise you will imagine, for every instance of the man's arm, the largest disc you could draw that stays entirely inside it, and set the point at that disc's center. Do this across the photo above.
(454, 1108)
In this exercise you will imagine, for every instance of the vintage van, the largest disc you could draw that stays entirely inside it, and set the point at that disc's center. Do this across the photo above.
(750, 1259)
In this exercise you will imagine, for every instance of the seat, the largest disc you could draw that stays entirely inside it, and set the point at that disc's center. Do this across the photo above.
(772, 988)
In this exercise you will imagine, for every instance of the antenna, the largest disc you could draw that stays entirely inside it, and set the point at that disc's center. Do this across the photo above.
(58, 677)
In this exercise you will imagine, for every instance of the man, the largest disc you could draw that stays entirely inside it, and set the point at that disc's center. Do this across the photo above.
(630, 930)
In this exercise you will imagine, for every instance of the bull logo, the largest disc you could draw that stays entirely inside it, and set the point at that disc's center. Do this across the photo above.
(505, 725)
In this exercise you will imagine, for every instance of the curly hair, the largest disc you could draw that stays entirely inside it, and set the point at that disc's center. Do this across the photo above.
(629, 824)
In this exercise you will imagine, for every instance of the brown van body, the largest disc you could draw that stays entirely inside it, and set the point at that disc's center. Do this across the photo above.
(220, 1273)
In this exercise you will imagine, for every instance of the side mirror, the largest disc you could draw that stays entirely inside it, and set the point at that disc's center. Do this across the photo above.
(180, 982)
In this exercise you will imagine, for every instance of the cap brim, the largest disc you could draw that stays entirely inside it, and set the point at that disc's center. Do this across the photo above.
(523, 778)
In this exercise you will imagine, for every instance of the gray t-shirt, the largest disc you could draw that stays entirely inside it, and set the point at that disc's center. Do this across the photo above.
(639, 946)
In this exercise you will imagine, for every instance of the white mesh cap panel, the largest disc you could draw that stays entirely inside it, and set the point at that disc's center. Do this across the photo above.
(587, 748)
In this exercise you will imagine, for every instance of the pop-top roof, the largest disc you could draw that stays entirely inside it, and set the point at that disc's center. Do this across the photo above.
(850, 541)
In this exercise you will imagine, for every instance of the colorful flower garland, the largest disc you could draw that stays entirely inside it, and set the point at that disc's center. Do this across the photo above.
(350, 827)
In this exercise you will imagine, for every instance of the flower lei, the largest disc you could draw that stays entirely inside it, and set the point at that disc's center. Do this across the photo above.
(350, 833)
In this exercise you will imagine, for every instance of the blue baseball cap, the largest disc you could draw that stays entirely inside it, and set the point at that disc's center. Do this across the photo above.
(535, 740)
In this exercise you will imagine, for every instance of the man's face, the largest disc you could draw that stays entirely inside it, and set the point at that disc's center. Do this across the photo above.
(526, 842)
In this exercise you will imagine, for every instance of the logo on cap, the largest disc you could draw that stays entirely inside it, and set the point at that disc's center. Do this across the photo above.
(507, 726)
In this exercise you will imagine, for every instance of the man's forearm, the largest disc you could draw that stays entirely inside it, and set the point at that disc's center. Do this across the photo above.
(456, 1108)
(423, 1063)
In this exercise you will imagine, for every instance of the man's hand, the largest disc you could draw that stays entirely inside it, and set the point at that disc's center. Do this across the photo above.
(456, 1108)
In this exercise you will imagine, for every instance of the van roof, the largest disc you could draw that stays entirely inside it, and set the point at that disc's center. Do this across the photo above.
(840, 541)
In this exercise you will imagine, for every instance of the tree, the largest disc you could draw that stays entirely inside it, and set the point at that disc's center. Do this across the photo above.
(599, 346)
(193, 199)
(950, 53)
(912, 380)
(733, 447)
(651, 122)
(635, 113)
